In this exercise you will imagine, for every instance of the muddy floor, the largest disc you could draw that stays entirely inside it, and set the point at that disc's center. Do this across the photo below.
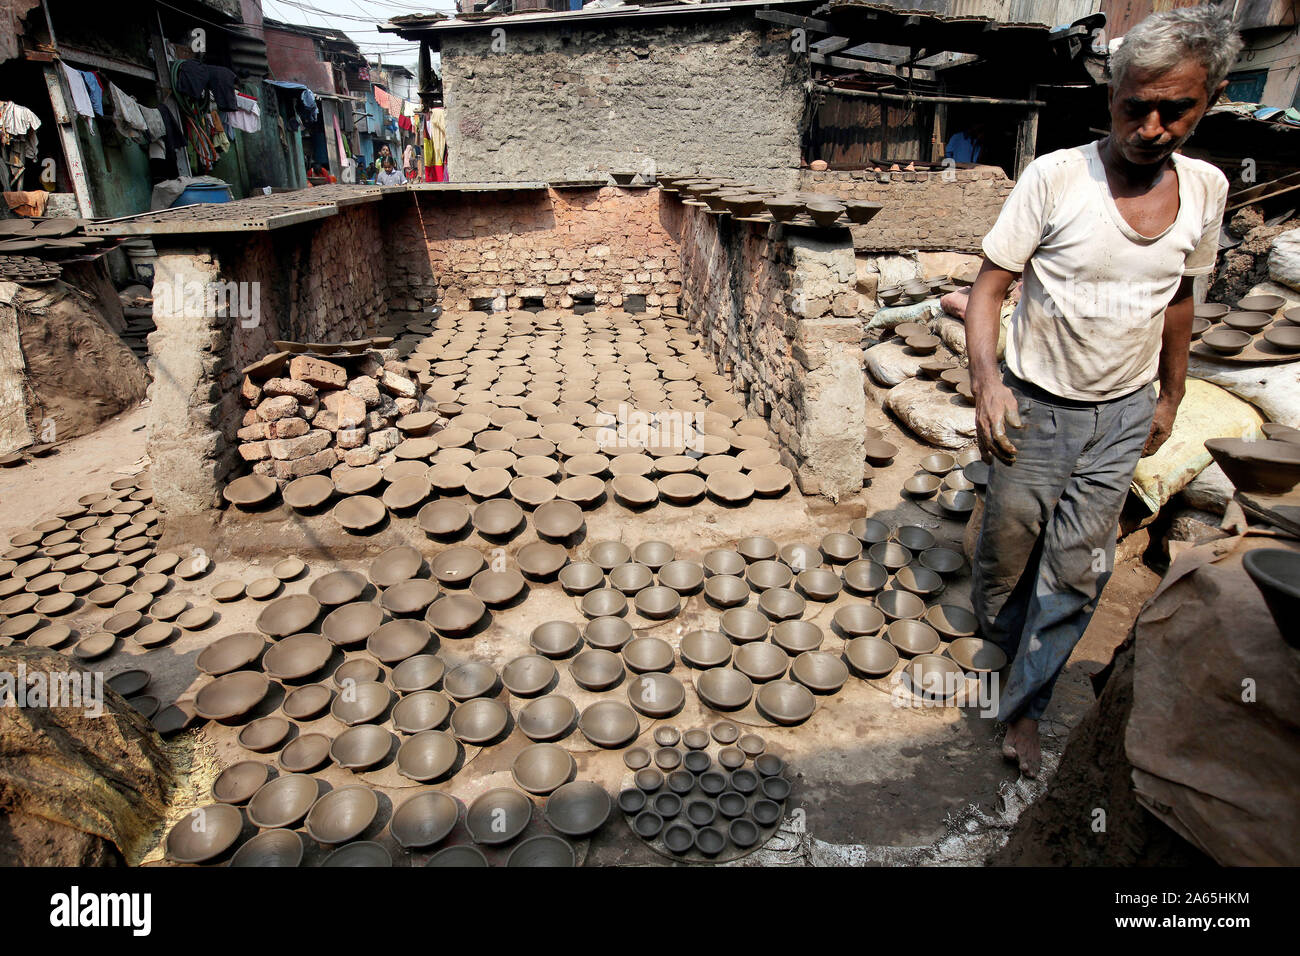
(865, 770)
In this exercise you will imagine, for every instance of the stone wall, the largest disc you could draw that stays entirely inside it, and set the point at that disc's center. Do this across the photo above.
(778, 310)
(547, 248)
(947, 211)
(717, 93)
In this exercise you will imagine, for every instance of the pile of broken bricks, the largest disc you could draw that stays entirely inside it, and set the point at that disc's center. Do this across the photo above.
(309, 415)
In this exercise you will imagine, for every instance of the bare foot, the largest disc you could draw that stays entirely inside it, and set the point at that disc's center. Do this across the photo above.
(1009, 745)
(1026, 745)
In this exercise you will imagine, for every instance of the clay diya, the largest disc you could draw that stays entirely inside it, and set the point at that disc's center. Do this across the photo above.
(976, 655)
(469, 680)
(188, 843)
(359, 512)
(933, 677)
(361, 703)
(457, 565)
(654, 694)
(238, 782)
(607, 633)
(335, 588)
(646, 654)
(231, 695)
(498, 816)
(398, 640)
(360, 747)
(424, 819)
(871, 656)
(547, 718)
(418, 673)
(250, 491)
(395, 566)
(785, 702)
(578, 809)
(557, 519)
(342, 815)
(455, 615)
(427, 755)
(820, 671)
(724, 689)
(230, 653)
(288, 615)
(351, 623)
(609, 724)
(311, 491)
(305, 753)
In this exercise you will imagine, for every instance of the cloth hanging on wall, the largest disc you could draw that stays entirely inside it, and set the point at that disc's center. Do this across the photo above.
(18, 126)
(247, 118)
(95, 88)
(81, 103)
(196, 80)
(437, 128)
(127, 116)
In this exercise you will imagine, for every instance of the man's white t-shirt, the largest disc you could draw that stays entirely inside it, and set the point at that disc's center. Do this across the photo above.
(1091, 314)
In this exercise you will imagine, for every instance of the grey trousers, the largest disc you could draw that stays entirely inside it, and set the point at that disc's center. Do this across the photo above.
(1047, 543)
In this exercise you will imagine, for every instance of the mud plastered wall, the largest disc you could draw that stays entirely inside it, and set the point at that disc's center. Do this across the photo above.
(716, 94)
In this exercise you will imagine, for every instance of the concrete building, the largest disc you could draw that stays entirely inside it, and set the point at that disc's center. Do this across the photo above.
(745, 89)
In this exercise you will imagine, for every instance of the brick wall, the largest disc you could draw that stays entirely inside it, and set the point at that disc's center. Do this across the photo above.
(946, 211)
(777, 309)
(721, 94)
(514, 247)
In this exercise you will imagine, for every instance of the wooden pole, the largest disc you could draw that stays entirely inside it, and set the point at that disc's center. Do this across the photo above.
(1027, 137)
(66, 120)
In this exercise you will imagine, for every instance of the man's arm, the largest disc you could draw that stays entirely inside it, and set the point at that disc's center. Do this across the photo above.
(1175, 342)
(995, 405)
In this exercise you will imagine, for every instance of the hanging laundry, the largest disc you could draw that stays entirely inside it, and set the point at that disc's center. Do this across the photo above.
(404, 122)
(127, 116)
(196, 80)
(409, 108)
(435, 157)
(95, 89)
(18, 126)
(153, 121)
(247, 118)
(77, 87)
(220, 141)
(344, 161)
(175, 136)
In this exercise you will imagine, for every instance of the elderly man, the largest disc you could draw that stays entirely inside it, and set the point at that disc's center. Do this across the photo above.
(1108, 238)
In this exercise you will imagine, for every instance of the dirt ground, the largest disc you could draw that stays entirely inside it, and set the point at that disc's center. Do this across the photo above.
(866, 773)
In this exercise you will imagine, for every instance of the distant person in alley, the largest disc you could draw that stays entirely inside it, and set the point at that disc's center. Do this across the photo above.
(1108, 238)
(390, 175)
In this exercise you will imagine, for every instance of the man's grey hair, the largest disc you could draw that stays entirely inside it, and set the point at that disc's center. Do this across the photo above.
(1163, 40)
